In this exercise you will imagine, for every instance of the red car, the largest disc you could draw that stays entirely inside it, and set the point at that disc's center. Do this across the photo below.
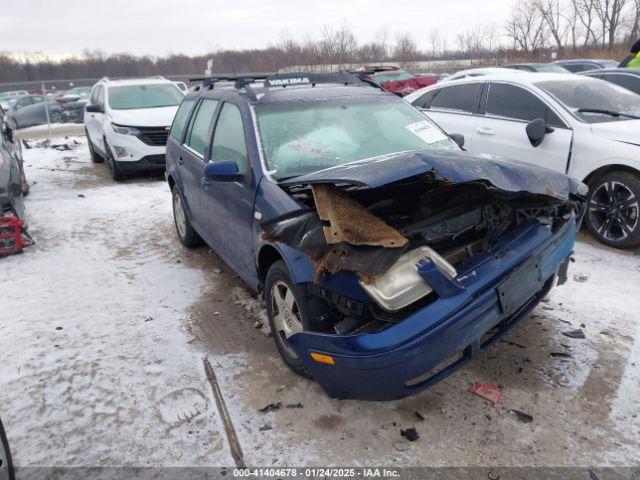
(398, 81)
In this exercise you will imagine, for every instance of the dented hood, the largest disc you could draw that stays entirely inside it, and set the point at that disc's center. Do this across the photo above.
(447, 165)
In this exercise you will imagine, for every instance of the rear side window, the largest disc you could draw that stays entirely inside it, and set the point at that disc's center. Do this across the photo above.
(179, 121)
(630, 82)
(460, 98)
(199, 134)
(228, 139)
(94, 96)
(509, 101)
(424, 101)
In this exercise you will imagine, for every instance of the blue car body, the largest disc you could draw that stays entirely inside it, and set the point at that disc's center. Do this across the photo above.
(430, 342)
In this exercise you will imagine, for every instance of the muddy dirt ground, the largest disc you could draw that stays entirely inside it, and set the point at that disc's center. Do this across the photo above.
(107, 319)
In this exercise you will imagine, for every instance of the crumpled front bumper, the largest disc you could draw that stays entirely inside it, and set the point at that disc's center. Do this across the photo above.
(438, 339)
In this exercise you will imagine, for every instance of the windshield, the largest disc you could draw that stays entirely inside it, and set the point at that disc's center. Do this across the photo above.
(144, 96)
(581, 96)
(391, 77)
(11, 101)
(306, 136)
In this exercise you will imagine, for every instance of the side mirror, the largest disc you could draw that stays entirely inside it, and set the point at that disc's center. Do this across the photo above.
(222, 172)
(458, 138)
(94, 108)
(536, 131)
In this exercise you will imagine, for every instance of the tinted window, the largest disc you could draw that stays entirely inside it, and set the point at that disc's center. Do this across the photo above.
(425, 100)
(578, 67)
(630, 82)
(514, 102)
(462, 98)
(228, 139)
(199, 134)
(177, 128)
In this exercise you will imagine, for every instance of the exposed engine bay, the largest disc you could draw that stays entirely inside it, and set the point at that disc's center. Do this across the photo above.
(396, 236)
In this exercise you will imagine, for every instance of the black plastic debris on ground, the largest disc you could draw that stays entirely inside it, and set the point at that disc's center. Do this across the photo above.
(272, 407)
(523, 417)
(419, 416)
(560, 355)
(410, 434)
(264, 428)
(579, 334)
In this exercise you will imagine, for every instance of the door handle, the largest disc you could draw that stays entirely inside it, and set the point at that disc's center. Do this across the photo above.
(180, 160)
(485, 131)
(205, 183)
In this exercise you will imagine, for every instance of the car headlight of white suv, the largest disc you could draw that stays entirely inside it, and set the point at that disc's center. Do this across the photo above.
(124, 130)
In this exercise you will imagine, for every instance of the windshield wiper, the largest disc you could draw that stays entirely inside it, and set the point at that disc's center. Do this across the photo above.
(606, 112)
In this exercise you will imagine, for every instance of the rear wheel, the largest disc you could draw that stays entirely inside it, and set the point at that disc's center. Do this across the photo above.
(614, 209)
(187, 235)
(56, 117)
(289, 311)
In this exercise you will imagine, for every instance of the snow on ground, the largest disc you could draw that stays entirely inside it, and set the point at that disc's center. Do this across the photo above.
(106, 320)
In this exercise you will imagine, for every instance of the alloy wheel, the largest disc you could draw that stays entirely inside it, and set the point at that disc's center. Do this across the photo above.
(180, 217)
(614, 211)
(286, 315)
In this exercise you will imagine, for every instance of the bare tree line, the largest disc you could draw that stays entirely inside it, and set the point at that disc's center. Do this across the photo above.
(534, 27)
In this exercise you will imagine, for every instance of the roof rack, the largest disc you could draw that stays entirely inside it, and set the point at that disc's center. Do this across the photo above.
(272, 80)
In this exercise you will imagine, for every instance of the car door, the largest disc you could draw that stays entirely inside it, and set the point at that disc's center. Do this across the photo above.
(191, 161)
(93, 121)
(229, 205)
(501, 128)
(453, 108)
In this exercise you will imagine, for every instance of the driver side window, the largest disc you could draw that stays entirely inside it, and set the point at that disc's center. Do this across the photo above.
(509, 101)
(228, 140)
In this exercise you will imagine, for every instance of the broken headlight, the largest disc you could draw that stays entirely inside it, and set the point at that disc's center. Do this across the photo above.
(402, 285)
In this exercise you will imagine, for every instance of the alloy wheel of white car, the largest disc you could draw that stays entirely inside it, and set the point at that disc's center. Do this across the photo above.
(613, 211)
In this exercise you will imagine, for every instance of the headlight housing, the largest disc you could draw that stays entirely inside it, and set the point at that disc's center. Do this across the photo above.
(402, 285)
(124, 130)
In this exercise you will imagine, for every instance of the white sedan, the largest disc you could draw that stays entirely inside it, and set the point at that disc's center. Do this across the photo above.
(587, 128)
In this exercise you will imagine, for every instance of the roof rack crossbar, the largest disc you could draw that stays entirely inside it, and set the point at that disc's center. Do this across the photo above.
(272, 80)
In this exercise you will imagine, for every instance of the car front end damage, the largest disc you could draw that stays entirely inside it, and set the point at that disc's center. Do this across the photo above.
(424, 260)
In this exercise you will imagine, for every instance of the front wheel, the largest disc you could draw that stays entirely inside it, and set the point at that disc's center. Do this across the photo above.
(95, 156)
(614, 208)
(290, 311)
(116, 173)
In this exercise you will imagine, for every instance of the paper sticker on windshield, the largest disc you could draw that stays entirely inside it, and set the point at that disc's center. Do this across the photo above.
(426, 131)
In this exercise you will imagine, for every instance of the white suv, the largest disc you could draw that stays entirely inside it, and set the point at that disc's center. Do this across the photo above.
(127, 123)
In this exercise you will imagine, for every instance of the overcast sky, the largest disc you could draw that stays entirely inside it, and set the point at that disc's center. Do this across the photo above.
(159, 27)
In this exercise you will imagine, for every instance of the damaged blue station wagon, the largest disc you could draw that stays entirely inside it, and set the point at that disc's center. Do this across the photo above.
(388, 257)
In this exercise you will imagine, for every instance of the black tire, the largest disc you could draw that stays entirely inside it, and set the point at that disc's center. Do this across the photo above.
(56, 117)
(95, 156)
(614, 209)
(6, 462)
(308, 311)
(187, 235)
(116, 173)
